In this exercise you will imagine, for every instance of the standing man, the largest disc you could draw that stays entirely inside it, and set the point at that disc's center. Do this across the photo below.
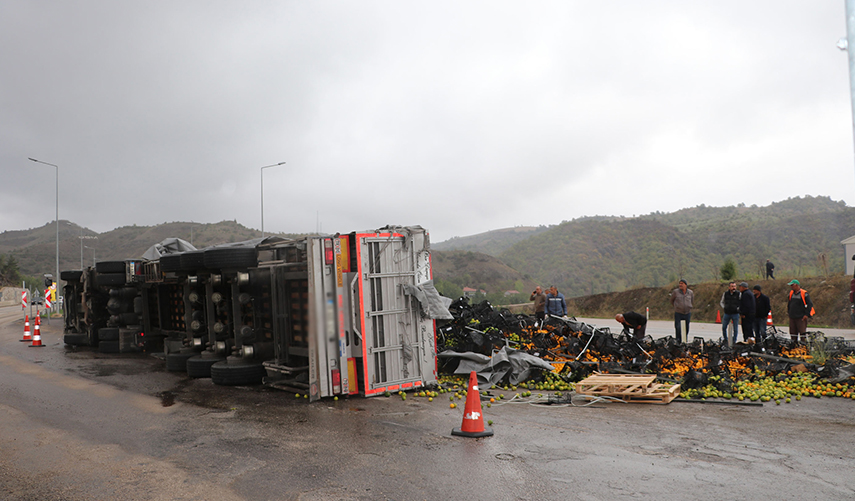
(761, 312)
(730, 304)
(799, 309)
(555, 304)
(770, 268)
(539, 299)
(634, 322)
(747, 309)
(681, 300)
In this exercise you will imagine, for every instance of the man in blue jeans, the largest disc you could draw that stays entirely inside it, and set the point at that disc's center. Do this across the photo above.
(555, 303)
(681, 299)
(730, 305)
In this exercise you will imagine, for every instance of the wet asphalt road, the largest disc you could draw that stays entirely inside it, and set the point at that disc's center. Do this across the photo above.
(79, 425)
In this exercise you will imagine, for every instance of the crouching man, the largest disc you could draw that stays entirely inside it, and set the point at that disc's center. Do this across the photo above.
(634, 323)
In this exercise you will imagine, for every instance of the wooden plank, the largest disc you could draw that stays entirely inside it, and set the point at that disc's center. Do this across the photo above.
(628, 387)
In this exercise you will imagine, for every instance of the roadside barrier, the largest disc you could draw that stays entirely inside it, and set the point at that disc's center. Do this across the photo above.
(473, 417)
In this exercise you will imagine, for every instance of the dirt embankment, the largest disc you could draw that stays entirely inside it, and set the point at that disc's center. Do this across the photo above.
(830, 299)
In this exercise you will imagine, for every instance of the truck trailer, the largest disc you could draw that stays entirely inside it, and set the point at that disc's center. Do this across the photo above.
(328, 315)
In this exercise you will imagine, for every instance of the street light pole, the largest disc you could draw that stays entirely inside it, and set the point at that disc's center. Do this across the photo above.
(82, 237)
(93, 253)
(57, 217)
(262, 193)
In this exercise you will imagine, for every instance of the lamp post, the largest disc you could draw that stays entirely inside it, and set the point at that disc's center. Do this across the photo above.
(57, 216)
(262, 193)
(82, 237)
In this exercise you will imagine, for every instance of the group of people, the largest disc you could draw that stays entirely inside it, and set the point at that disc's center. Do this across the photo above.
(549, 303)
(751, 310)
(748, 308)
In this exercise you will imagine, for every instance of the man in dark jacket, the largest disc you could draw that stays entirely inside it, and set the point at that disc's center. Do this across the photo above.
(634, 322)
(747, 308)
(799, 309)
(761, 312)
(770, 269)
(555, 303)
(730, 304)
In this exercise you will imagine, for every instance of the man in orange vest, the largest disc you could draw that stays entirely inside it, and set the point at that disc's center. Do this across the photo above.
(799, 309)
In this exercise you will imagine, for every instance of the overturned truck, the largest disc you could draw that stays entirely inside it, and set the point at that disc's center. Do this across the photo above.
(323, 315)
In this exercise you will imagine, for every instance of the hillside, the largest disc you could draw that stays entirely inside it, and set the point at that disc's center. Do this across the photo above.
(35, 249)
(492, 242)
(453, 270)
(586, 256)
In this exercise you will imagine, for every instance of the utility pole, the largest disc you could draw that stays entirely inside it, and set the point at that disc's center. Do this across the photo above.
(843, 44)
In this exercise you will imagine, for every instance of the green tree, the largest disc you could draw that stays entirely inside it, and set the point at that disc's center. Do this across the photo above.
(448, 289)
(9, 273)
(728, 269)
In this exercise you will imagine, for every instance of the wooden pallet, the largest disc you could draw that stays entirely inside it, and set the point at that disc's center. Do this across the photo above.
(634, 388)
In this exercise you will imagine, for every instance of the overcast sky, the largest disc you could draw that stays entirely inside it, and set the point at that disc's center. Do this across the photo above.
(461, 117)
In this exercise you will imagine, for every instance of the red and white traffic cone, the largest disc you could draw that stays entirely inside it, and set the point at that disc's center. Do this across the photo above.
(769, 319)
(37, 336)
(473, 418)
(27, 336)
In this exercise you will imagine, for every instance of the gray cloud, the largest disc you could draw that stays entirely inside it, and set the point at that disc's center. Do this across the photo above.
(462, 117)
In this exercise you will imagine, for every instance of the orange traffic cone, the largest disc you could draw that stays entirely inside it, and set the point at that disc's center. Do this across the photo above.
(718, 316)
(769, 318)
(37, 336)
(27, 336)
(473, 418)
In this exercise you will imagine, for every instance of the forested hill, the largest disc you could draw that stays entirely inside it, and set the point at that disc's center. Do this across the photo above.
(491, 242)
(593, 255)
(34, 250)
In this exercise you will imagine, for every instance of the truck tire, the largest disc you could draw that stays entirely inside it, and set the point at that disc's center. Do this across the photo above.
(116, 306)
(200, 365)
(110, 267)
(108, 334)
(177, 362)
(71, 275)
(237, 374)
(231, 257)
(108, 346)
(109, 279)
(126, 318)
(138, 305)
(77, 339)
(192, 260)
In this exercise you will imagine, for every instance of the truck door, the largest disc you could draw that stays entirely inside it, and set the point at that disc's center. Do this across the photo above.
(399, 345)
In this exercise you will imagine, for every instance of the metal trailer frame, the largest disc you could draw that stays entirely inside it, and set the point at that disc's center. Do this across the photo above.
(363, 334)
